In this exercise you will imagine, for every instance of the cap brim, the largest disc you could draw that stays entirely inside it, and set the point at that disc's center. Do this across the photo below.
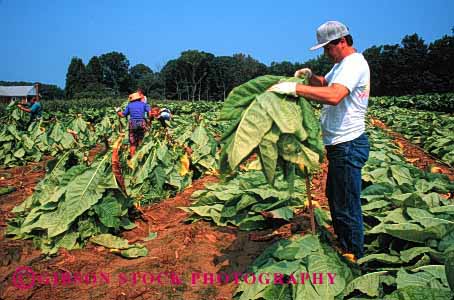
(319, 46)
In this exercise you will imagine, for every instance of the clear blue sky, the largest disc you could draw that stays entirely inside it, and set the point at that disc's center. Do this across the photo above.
(39, 37)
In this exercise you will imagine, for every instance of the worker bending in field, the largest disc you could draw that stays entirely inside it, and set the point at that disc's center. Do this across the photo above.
(136, 110)
(162, 115)
(35, 109)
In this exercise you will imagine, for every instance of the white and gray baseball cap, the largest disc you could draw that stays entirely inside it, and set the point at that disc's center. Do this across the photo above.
(328, 32)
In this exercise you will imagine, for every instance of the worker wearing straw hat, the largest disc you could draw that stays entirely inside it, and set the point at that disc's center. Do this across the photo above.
(136, 110)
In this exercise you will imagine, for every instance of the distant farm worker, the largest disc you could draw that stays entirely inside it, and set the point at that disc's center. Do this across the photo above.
(136, 110)
(142, 95)
(164, 115)
(161, 114)
(344, 93)
(35, 109)
(155, 112)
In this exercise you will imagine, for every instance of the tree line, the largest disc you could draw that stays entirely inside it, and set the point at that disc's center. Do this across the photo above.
(412, 67)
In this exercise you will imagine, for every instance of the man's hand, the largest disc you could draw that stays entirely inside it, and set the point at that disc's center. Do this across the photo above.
(306, 72)
(286, 88)
(117, 109)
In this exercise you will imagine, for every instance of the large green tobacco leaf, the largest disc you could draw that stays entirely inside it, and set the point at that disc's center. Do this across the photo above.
(204, 147)
(286, 114)
(143, 168)
(46, 190)
(328, 262)
(254, 291)
(408, 200)
(254, 124)
(368, 284)
(377, 191)
(435, 227)
(407, 231)
(312, 125)
(67, 241)
(243, 95)
(89, 226)
(134, 252)
(57, 132)
(283, 292)
(78, 125)
(428, 276)
(28, 142)
(19, 153)
(109, 211)
(420, 293)
(380, 257)
(246, 201)
(292, 151)
(12, 130)
(449, 268)
(67, 141)
(242, 200)
(113, 242)
(110, 241)
(298, 259)
(410, 254)
(305, 291)
(401, 174)
(200, 136)
(269, 153)
(52, 192)
(83, 192)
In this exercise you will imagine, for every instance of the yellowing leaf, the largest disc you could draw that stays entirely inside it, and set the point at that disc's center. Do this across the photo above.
(412, 160)
(301, 166)
(314, 203)
(436, 170)
(350, 257)
(184, 169)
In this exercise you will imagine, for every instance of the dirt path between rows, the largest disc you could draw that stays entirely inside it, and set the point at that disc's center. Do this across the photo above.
(416, 155)
(188, 251)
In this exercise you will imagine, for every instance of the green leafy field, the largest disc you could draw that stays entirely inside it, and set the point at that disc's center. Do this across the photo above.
(264, 145)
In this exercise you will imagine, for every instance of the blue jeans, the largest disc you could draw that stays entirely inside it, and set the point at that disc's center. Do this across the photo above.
(343, 189)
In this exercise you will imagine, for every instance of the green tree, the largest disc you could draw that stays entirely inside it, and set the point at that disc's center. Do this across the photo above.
(94, 70)
(320, 65)
(221, 76)
(115, 70)
(247, 68)
(137, 73)
(194, 65)
(174, 80)
(373, 55)
(440, 62)
(94, 88)
(51, 91)
(75, 77)
(412, 64)
(284, 68)
(153, 85)
(390, 61)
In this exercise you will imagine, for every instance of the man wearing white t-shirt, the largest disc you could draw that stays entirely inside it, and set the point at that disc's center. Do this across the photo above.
(344, 91)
